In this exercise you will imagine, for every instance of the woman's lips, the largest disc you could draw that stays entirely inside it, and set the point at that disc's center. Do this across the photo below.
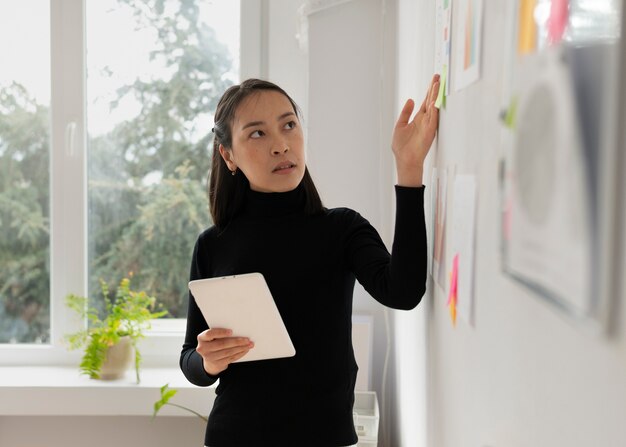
(284, 168)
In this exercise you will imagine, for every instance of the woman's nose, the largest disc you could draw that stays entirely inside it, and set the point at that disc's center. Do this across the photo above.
(281, 149)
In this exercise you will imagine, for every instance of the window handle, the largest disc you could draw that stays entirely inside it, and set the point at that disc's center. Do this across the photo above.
(70, 133)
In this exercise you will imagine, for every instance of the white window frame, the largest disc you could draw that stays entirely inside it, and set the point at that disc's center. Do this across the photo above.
(68, 185)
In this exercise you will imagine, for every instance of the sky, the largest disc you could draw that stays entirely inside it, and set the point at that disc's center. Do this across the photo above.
(25, 50)
(25, 45)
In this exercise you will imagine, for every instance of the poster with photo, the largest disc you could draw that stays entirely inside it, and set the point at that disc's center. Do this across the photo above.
(468, 42)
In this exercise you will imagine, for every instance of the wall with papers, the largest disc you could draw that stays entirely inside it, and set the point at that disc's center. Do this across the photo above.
(524, 341)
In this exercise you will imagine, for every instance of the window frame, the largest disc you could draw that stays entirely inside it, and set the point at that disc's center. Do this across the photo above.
(68, 185)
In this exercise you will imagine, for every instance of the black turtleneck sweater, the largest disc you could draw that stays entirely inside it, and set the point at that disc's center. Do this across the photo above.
(310, 264)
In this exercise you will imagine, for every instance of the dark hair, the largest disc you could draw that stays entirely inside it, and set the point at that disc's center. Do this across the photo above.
(227, 192)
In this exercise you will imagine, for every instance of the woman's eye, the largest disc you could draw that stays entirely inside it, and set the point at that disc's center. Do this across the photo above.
(257, 134)
(290, 125)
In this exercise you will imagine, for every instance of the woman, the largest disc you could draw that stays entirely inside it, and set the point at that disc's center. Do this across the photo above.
(268, 218)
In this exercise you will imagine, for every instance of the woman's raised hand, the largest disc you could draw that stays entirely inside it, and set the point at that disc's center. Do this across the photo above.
(219, 349)
(411, 140)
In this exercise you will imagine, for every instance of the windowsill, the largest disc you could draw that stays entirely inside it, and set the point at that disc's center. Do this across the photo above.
(62, 391)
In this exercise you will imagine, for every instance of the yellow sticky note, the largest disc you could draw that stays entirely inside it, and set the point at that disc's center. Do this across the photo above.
(441, 95)
(509, 118)
(453, 313)
(527, 37)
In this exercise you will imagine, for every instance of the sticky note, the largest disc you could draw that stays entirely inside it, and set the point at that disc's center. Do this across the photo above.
(452, 295)
(558, 20)
(507, 219)
(527, 37)
(509, 118)
(455, 277)
(441, 95)
(453, 313)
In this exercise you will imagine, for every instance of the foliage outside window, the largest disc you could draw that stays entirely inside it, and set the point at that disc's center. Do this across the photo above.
(155, 70)
(24, 173)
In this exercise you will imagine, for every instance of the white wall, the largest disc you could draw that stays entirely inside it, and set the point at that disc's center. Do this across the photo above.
(61, 431)
(525, 375)
(409, 399)
(351, 49)
(287, 62)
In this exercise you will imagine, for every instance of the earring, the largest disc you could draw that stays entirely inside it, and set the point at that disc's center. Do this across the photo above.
(233, 172)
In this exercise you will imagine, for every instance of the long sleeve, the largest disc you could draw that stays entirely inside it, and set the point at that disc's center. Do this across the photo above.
(310, 263)
(397, 280)
(190, 361)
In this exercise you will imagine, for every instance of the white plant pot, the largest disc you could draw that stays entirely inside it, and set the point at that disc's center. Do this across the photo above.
(118, 359)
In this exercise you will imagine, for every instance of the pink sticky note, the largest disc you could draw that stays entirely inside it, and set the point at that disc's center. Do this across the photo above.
(454, 275)
(558, 20)
(452, 296)
(507, 219)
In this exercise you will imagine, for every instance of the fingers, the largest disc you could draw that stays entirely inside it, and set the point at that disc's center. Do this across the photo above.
(434, 91)
(214, 333)
(213, 341)
(214, 368)
(433, 118)
(426, 102)
(429, 100)
(219, 349)
(406, 112)
(431, 95)
(432, 112)
(228, 351)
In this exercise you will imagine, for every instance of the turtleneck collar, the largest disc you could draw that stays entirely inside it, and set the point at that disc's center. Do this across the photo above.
(274, 204)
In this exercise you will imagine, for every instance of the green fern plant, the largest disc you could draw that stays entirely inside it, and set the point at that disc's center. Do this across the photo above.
(129, 313)
(166, 394)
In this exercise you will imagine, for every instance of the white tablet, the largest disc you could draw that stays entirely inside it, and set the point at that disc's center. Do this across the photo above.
(244, 304)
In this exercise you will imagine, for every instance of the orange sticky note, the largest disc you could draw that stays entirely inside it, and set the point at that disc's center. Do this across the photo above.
(453, 313)
(527, 37)
(454, 274)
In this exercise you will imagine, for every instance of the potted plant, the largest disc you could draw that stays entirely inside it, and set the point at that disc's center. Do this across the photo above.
(110, 339)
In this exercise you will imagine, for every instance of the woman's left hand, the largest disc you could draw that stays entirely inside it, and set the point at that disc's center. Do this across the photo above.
(411, 140)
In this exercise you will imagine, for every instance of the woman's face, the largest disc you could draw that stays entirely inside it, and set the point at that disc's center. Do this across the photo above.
(268, 144)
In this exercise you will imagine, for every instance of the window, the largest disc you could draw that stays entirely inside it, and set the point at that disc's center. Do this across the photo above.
(24, 172)
(151, 88)
(105, 118)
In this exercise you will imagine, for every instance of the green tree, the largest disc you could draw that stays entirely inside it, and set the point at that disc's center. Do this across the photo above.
(147, 176)
(24, 198)
(155, 245)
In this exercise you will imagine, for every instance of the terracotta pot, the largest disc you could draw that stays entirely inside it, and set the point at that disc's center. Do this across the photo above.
(118, 360)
